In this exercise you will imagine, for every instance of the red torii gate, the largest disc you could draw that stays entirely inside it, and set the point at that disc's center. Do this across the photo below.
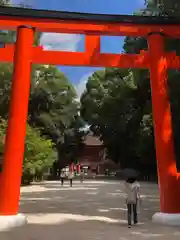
(23, 54)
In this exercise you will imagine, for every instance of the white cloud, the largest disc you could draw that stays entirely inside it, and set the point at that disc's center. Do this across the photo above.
(60, 41)
(81, 86)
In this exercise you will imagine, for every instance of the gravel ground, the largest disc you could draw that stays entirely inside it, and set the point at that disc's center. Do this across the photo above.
(93, 210)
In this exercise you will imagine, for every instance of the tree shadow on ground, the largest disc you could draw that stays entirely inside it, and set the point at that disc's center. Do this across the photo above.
(84, 199)
(88, 211)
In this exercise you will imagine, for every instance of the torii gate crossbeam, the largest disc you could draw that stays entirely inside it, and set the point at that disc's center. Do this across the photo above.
(23, 54)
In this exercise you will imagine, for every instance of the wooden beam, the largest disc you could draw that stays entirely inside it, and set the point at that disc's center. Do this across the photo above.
(41, 56)
(88, 27)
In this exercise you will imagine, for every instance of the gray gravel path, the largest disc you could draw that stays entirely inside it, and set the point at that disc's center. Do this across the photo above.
(93, 210)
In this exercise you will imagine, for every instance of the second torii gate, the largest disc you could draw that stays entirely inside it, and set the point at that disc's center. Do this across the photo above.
(24, 53)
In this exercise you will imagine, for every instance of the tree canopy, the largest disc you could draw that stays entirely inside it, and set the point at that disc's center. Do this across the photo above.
(54, 122)
(117, 102)
(53, 109)
(39, 154)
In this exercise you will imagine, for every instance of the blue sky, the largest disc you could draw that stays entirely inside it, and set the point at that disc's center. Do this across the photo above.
(79, 75)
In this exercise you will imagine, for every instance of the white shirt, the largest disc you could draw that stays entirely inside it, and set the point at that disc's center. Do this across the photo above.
(63, 174)
(132, 191)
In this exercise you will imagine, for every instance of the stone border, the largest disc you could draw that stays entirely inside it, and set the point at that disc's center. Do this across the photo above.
(167, 219)
(9, 222)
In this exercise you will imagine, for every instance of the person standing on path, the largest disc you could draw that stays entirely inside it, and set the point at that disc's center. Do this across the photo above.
(70, 177)
(132, 191)
(63, 175)
(82, 176)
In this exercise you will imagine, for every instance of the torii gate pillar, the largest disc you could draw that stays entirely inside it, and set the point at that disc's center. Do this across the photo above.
(169, 183)
(16, 132)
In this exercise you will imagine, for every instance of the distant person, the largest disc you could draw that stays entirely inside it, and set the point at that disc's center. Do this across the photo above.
(70, 177)
(82, 176)
(62, 176)
(107, 172)
(132, 191)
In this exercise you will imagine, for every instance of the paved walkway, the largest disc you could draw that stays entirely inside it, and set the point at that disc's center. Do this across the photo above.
(93, 210)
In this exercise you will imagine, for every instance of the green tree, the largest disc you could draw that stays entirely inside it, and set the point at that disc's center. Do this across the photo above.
(39, 152)
(113, 105)
(5, 88)
(54, 109)
(118, 109)
(134, 45)
(124, 121)
(4, 2)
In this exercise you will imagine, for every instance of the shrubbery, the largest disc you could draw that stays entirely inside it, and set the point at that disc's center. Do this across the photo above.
(38, 155)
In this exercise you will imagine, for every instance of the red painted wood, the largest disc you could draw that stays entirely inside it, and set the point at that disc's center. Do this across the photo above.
(169, 180)
(90, 27)
(15, 137)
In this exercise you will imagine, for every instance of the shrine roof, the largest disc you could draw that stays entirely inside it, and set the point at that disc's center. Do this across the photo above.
(92, 141)
(74, 16)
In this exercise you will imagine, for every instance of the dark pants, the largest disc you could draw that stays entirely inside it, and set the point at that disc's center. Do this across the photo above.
(81, 178)
(62, 181)
(70, 181)
(132, 210)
